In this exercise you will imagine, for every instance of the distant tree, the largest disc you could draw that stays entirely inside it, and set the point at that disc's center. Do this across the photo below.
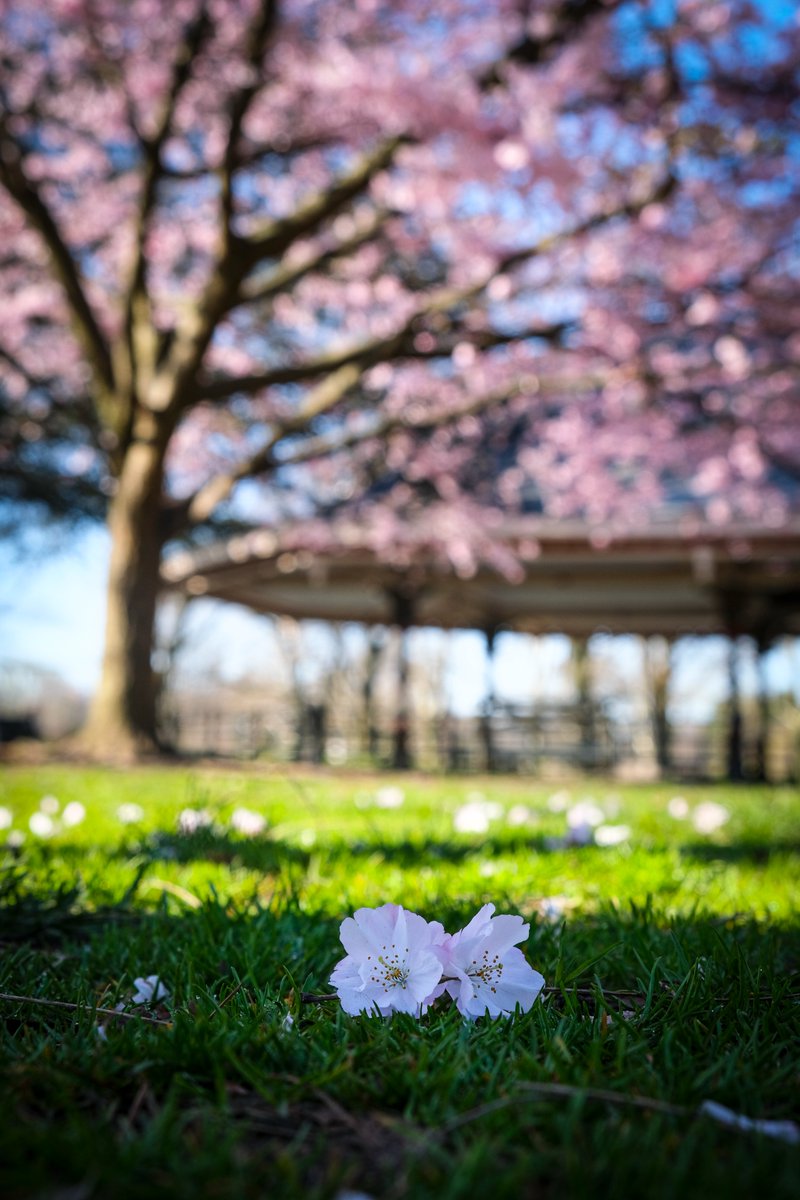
(36, 702)
(243, 239)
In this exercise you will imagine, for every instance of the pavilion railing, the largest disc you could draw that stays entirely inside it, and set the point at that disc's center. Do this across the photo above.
(544, 742)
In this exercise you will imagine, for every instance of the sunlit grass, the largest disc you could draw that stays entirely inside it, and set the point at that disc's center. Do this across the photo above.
(700, 928)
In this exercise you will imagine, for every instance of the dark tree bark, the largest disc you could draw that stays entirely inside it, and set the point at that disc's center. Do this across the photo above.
(122, 717)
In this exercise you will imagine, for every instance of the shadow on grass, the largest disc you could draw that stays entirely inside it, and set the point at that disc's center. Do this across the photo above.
(268, 855)
(227, 1101)
(741, 852)
(257, 853)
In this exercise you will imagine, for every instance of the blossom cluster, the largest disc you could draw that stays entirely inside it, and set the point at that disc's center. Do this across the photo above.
(397, 961)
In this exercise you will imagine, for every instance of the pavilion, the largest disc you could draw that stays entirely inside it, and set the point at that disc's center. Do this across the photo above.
(672, 578)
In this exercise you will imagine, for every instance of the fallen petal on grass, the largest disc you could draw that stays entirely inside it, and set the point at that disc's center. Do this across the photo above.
(41, 825)
(149, 990)
(248, 823)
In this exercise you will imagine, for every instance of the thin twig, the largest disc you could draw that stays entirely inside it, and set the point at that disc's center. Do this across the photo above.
(229, 996)
(83, 1008)
(565, 1091)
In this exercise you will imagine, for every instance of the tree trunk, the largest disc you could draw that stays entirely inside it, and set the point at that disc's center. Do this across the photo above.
(122, 717)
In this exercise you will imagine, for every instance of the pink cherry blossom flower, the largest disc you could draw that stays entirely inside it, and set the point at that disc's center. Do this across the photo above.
(484, 972)
(394, 961)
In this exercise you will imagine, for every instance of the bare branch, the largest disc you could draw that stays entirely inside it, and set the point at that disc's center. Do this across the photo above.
(222, 389)
(83, 1009)
(173, 378)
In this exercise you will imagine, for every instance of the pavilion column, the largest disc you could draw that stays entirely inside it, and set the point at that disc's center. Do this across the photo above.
(403, 613)
(582, 671)
(487, 733)
(658, 666)
(371, 735)
(764, 712)
(735, 764)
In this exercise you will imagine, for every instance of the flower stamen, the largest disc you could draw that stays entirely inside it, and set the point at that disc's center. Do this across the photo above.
(488, 970)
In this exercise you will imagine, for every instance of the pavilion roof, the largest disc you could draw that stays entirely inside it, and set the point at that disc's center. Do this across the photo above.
(669, 578)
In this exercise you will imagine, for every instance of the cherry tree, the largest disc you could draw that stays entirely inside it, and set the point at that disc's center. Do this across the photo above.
(440, 256)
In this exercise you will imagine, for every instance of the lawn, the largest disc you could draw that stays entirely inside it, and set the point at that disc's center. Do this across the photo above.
(671, 957)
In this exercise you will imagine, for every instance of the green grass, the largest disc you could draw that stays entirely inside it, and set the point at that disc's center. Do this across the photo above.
(223, 1101)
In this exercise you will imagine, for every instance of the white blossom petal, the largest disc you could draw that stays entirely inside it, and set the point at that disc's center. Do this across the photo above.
(486, 973)
(393, 962)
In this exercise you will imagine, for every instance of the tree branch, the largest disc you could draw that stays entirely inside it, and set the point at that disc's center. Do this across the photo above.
(35, 383)
(276, 238)
(174, 382)
(246, 159)
(173, 378)
(559, 26)
(258, 36)
(398, 347)
(200, 506)
(27, 196)
(320, 399)
(438, 304)
(284, 277)
(526, 384)
(351, 365)
(140, 336)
